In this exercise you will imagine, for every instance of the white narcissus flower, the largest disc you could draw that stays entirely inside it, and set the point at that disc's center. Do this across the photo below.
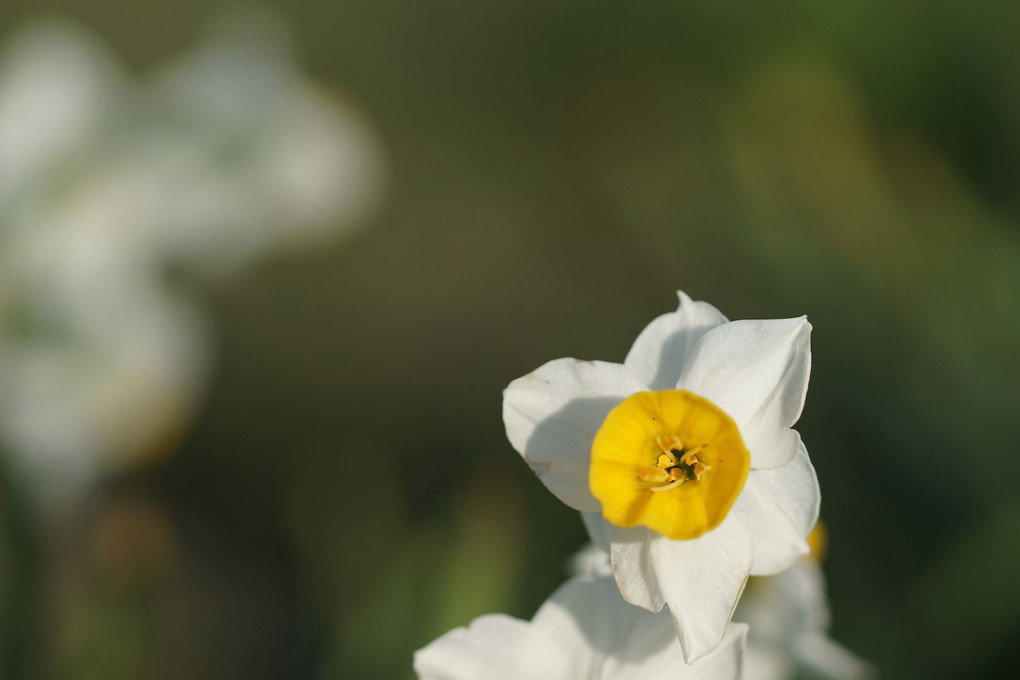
(245, 155)
(584, 631)
(681, 459)
(100, 366)
(107, 183)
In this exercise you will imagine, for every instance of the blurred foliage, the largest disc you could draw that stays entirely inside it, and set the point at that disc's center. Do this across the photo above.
(559, 169)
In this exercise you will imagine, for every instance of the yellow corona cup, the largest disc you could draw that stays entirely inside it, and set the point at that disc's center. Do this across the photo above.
(669, 460)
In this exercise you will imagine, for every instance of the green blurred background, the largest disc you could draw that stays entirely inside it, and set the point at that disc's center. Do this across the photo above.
(557, 171)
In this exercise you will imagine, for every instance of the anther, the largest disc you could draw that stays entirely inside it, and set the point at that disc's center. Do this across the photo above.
(650, 475)
(700, 469)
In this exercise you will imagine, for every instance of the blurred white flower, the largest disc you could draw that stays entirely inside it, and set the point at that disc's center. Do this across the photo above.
(681, 459)
(106, 184)
(590, 561)
(585, 630)
(789, 622)
(79, 396)
(227, 153)
(58, 88)
(245, 155)
(99, 364)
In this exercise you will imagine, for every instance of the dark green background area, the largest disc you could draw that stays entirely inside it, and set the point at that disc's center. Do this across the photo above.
(557, 171)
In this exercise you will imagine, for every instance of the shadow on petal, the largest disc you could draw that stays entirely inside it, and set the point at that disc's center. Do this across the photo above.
(559, 449)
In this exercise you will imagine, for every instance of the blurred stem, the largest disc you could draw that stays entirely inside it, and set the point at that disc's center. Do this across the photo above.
(20, 581)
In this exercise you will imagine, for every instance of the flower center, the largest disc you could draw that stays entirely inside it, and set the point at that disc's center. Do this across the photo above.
(668, 460)
(674, 466)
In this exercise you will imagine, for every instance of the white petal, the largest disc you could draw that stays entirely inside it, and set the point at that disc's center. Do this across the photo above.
(590, 561)
(756, 371)
(763, 662)
(781, 609)
(725, 662)
(779, 507)
(631, 560)
(592, 624)
(585, 630)
(552, 415)
(661, 350)
(829, 659)
(789, 615)
(701, 580)
(57, 85)
(803, 586)
(613, 640)
(564, 618)
(598, 528)
(493, 647)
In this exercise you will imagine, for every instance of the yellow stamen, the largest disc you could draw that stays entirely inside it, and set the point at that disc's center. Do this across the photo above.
(652, 475)
(690, 455)
(671, 485)
(669, 444)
